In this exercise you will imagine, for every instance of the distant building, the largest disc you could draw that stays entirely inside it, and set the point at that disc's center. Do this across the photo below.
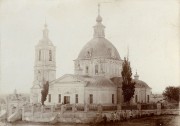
(156, 98)
(16, 100)
(97, 73)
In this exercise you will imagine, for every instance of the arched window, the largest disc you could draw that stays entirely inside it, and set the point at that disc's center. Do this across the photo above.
(87, 69)
(50, 55)
(96, 69)
(39, 55)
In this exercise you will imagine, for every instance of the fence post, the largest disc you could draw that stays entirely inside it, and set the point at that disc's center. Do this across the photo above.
(74, 109)
(52, 108)
(119, 107)
(86, 108)
(42, 110)
(100, 108)
(158, 108)
(22, 113)
(32, 110)
(63, 108)
(139, 108)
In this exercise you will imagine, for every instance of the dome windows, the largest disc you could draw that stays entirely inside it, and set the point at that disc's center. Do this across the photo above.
(89, 53)
(111, 53)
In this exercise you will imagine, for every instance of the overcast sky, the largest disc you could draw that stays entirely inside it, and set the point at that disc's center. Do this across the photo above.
(149, 27)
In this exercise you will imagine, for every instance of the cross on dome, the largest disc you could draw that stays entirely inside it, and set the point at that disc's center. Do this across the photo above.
(136, 76)
(99, 18)
(98, 8)
(99, 27)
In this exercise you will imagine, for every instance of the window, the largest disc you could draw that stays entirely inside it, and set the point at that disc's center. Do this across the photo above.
(59, 98)
(148, 98)
(96, 69)
(110, 51)
(50, 55)
(76, 98)
(88, 54)
(136, 99)
(87, 69)
(91, 98)
(49, 98)
(39, 55)
(113, 98)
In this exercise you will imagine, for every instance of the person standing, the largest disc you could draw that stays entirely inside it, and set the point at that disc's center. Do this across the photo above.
(130, 114)
(112, 118)
(125, 115)
(105, 119)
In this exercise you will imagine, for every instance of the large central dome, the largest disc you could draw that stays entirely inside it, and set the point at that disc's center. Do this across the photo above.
(98, 57)
(99, 47)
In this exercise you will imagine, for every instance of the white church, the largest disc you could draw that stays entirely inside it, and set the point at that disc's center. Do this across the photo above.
(97, 74)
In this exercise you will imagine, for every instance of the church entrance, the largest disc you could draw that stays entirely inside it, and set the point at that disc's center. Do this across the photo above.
(66, 99)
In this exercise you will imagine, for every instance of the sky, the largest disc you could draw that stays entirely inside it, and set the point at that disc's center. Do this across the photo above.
(149, 28)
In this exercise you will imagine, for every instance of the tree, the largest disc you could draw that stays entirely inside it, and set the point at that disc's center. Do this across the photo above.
(171, 93)
(128, 86)
(44, 92)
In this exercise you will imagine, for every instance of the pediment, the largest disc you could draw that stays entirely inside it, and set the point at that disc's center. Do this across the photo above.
(67, 79)
(36, 86)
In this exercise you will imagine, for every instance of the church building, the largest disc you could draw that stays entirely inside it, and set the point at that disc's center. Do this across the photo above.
(97, 74)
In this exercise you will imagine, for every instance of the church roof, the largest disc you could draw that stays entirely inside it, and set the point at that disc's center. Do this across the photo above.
(100, 82)
(139, 83)
(97, 81)
(99, 47)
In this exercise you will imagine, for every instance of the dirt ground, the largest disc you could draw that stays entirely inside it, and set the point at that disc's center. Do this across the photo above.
(164, 120)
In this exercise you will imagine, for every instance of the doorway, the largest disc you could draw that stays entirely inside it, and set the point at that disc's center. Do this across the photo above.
(66, 99)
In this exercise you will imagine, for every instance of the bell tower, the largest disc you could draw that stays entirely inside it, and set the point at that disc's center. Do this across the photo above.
(44, 65)
(45, 61)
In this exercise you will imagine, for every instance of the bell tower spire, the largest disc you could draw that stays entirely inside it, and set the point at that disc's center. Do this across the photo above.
(98, 8)
(99, 27)
(45, 31)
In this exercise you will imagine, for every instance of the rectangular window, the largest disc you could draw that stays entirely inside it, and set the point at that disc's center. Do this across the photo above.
(59, 98)
(76, 98)
(49, 98)
(91, 98)
(113, 98)
(148, 98)
(136, 99)
(96, 69)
